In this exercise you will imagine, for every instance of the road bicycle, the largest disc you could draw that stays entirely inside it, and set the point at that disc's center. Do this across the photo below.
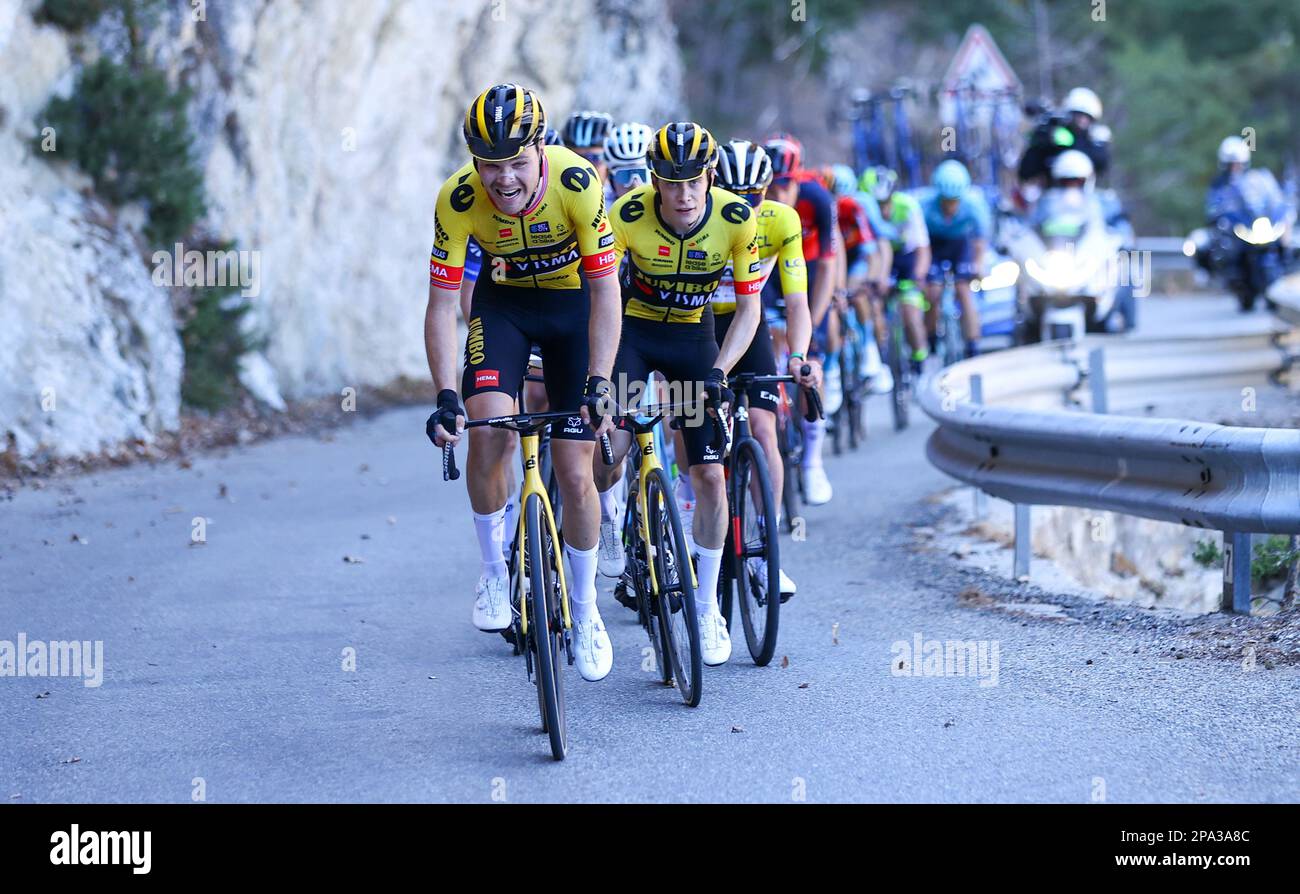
(658, 574)
(848, 423)
(898, 352)
(751, 571)
(541, 620)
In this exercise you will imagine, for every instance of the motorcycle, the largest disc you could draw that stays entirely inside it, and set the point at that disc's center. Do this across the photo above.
(1245, 250)
(1068, 259)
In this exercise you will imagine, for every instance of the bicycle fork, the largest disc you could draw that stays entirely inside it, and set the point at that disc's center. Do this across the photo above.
(533, 484)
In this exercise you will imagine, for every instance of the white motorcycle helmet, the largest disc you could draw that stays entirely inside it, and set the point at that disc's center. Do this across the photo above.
(1234, 151)
(1084, 101)
(1072, 165)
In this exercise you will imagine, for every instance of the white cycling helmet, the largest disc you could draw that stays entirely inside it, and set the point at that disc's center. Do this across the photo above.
(1081, 99)
(1234, 151)
(1072, 165)
(743, 167)
(628, 143)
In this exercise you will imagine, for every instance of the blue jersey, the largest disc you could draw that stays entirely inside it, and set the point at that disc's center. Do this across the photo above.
(972, 220)
(473, 259)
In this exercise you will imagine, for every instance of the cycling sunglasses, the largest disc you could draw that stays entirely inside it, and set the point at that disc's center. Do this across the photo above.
(626, 178)
(753, 197)
(595, 156)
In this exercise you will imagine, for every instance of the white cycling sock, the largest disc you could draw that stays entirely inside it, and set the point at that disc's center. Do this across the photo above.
(706, 591)
(490, 529)
(510, 521)
(685, 490)
(812, 443)
(609, 503)
(582, 585)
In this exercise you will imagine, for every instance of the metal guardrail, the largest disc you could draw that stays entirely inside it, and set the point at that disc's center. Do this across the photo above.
(1021, 441)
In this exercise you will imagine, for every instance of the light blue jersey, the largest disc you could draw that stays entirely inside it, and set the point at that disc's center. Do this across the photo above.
(972, 220)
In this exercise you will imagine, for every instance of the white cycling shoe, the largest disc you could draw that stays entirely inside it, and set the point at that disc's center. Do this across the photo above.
(758, 568)
(492, 604)
(816, 486)
(609, 555)
(715, 641)
(832, 391)
(592, 651)
(883, 382)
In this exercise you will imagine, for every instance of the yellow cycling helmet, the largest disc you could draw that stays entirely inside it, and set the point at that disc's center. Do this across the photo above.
(503, 121)
(682, 150)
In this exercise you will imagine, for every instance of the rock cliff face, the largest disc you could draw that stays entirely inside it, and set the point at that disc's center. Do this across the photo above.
(324, 130)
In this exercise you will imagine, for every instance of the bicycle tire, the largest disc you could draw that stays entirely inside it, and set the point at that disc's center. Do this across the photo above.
(760, 601)
(675, 600)
(899, 397)
(546, 634)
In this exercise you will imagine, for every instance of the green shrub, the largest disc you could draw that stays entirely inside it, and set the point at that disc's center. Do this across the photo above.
(129, 131)
(214, 340)
(71, 15)
(1207, 553)
(1273, 557)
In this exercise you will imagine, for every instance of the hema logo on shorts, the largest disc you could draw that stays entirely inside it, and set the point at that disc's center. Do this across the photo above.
(485, 377)
(77, 848)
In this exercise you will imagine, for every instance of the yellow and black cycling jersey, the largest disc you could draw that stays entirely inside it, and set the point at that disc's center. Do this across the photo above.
(780, 241)
(671, 278)
(563, 231)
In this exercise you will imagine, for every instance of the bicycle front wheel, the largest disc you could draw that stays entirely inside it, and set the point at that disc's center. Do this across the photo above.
(756, 559)
(546, 624)
(898, 367)
(675, 599)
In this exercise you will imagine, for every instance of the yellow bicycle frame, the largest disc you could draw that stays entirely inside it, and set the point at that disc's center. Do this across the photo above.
(533, 484)
(645, 443)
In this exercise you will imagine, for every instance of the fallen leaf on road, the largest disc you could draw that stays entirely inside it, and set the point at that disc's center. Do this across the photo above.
(803, 685)
(392, 520)
(432, 677)
(71, 760)
(365, 536)
(737, 729)
(186, 464)
(785, 660)
(42, 695)
(354, 560)
(364, 468)
(77, 538)
(948, 723)
(222, 492)
(835, 634)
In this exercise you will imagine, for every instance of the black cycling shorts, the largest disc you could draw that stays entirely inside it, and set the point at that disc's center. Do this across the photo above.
(684, 353)
(759, 359)
(506, 323)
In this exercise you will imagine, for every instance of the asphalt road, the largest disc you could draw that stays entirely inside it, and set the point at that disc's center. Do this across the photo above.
(224, 662)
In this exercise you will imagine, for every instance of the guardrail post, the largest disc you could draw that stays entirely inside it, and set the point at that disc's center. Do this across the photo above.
(1236, 573)
(1097, 379)
(1023, 534)
(977, 397)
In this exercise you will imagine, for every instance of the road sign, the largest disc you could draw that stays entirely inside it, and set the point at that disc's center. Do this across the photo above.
(980, 65)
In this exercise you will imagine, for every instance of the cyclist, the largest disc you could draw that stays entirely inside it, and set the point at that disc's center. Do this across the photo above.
(745, 169)
(865, 262)
(793, 186)
(625, 154)
(677, 235)
(959, 223)
(897, 216)
(538, 214)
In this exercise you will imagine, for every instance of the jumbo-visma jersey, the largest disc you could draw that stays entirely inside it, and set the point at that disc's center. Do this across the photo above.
(780, 241)
(564, 230)
(671, 278)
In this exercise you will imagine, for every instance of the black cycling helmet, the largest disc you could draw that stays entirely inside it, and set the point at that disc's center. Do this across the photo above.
(587, 130)
(503, 121)
(553, 137)
(682, 150)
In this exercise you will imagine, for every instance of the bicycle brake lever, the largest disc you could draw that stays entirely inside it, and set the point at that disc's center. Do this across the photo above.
(449, 470)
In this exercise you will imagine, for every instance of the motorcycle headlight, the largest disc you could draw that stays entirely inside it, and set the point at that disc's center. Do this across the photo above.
(1189, 248)
(1060, 270)
(1003, 275)
(1261, 232)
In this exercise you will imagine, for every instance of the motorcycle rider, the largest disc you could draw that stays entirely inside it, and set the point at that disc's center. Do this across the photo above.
(1076, 130)
(1240, 193)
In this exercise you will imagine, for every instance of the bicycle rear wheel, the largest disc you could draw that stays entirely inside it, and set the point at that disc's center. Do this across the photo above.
(758, 583)
(675, 599)
(546, 625)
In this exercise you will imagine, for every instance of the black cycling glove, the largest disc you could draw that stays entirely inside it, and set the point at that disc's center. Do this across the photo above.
(715, 388)
(448, 409)
(597, 397)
